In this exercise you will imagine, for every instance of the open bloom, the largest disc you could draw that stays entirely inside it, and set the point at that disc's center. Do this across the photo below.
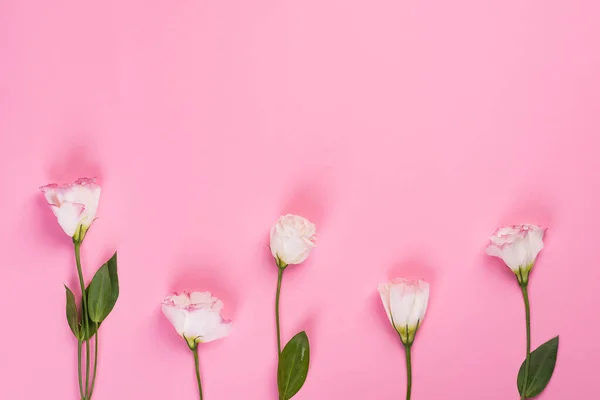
(405, 302)
(518, 246)
(74, 205)
(196, 316)
(292, 239)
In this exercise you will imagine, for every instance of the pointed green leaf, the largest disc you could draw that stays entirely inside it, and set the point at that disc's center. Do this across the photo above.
(541, 367)
(103, 291)
(114, 282)
(72, 315)
(293, 366)
(99, 294)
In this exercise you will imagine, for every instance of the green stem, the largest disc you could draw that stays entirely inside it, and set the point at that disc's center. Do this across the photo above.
(279, 277)
(408, 372)
(84, 316)
(528, 328)
(95, 362)
(197, 362)
(79, 344)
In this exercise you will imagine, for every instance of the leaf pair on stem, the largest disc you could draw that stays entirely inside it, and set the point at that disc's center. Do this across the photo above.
(98, 300)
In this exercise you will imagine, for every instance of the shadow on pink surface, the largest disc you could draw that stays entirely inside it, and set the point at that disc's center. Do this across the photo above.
(77, 159)
(310, 199)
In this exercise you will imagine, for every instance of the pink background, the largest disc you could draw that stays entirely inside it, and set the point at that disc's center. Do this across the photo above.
(407, 130)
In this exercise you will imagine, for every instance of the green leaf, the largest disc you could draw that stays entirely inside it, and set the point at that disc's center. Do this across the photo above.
(91, 324)
(72, 315)
(103, 291)
(98, 295)
(92, 330)
(541, 366)
(293, 366)
(114, 282)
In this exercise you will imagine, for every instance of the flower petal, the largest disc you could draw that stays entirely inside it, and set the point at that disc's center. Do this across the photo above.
(177, 316)
(69, 216)
(206, 325)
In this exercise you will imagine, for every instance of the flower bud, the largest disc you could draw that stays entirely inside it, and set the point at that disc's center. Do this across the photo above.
(405, 302)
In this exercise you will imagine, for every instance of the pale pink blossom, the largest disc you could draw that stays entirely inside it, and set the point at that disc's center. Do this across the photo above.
(292, 239)
(518, 246)
(405, 303)
(196, 316)
(74, 205)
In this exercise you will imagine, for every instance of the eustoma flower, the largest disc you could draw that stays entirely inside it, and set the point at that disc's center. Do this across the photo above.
(197, 318)
(405, 303)
(518, 246)
(292, 240)
(75, 207)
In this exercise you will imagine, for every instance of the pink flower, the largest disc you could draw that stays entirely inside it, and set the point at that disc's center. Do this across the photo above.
(74, 205)
(196, 316)
(518, 246)
(405, 303)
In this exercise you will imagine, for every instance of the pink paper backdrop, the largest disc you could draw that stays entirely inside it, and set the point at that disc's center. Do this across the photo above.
(407, 130)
